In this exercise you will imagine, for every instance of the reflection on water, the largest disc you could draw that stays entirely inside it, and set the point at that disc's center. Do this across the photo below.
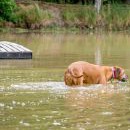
(34, 96)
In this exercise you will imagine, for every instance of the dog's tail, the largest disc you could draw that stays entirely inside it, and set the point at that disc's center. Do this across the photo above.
(74, 75)
(70, 78)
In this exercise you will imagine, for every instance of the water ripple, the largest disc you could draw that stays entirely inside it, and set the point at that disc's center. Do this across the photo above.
(61, 87)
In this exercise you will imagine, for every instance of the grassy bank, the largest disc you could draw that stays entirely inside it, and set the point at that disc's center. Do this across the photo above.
(41, 16)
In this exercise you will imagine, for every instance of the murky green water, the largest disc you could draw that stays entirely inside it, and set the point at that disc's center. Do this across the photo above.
(33, 95)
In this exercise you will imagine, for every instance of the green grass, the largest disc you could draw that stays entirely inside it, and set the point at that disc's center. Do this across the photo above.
(80, 17)
(33, 16)
(116, 17)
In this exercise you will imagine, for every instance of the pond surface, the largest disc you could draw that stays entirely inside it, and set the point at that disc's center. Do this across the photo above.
(33, 95)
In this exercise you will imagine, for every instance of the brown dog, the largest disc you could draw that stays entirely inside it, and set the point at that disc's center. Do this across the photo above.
(81, 72)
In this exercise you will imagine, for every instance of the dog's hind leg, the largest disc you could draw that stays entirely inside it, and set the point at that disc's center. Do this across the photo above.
(81, 81)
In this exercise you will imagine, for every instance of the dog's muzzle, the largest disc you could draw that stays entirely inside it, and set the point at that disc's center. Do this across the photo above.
(124, 78)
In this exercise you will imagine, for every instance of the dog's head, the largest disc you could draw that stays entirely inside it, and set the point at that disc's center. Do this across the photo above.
(120, 74)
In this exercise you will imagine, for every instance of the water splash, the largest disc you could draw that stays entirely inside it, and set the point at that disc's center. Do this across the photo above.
(61, 87)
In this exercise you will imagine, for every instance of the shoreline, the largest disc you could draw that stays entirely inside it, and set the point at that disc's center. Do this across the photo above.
(67, 18)
(60, 31)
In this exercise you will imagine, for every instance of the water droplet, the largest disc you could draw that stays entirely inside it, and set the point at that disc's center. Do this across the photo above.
(24, 123)
(14, 102)
(23, 104)
(2, 104)
(56, 123)
(107, 113)
(11, 108)
(35, 116)
(37, 120)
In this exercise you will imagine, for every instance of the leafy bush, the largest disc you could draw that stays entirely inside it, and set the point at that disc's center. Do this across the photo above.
(7, 8)
(116, 17)
(81, 16)
(33, 15)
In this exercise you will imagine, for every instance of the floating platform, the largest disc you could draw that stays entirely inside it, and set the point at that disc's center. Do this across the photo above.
(9, 50)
